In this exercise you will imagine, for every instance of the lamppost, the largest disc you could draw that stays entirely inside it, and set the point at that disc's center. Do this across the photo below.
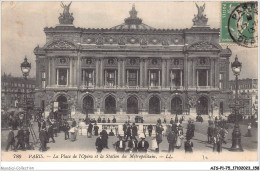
(236, 134)
(25, 68)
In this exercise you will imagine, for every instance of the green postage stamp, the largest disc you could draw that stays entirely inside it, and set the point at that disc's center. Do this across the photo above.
(239, 23)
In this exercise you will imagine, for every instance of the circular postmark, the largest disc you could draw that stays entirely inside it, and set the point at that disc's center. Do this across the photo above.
(243, 24)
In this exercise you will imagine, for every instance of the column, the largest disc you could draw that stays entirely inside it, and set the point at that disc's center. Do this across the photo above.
(171, 79)
(149, 79)
(145, 73)
(211, 72)
(53, 70)
(57, 77)
(137, 77)
(216, 74)
(181, 77)
(93, 77)
(116, 83)
(123, 72)
(141, 72)
(49, 74)
(71, 72)
(186, 71)
(97, 73)
(78, 70)
(197, 81)
(167, 61)
(84, 77)
(207, 79)
(163, 73)
(67, 77)
(119, 71)
(105, 78)
(127, 77)
(159, 78)
(101, 79)
(193, 73)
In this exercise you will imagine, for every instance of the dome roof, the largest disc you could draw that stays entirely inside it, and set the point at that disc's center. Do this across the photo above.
(133, 22)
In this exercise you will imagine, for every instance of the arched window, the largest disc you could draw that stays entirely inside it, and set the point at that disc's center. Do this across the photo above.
(110, 105)
(88, 105)
(132, 105)
(154, 105)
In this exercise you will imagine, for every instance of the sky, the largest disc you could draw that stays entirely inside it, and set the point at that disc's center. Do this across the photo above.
(23, 24)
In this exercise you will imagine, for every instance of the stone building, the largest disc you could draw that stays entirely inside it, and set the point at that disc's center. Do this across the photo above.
(248, 95)
(132, 69)
(13, 91)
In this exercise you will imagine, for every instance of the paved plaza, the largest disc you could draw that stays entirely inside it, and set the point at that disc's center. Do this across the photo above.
(85, 144)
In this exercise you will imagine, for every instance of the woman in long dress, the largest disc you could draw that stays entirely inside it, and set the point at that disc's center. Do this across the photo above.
(179, 138)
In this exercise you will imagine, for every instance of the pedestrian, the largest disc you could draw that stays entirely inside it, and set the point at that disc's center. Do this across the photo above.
(105, 139)
(124, 129)
(150, 130)
(90, 128)
(179, 138)
(134, 131)
(132, 145)
(171, 140)
(43, 124)
(20, 139)
(51, 134)
(72, 134)
(171, 121)
(120, 145)
(74, 123)
(66, 130)
(164, 121)
(176, 119)
(143, 145)
(249, 130)
(159, 121)
(114, 120)
(43, 139)
(99, 120)
(154, 145)
(188, 145)
(39, 124)
(174, 127)
(217, 145)
(103, 120)
(108, 120)
(96, 129)
(99, 143)
(111, 133)
(128, 131)
(27, 139)
(10, 140)
(210, 134)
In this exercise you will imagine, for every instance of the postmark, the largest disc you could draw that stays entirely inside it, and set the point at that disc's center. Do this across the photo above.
(242, 24)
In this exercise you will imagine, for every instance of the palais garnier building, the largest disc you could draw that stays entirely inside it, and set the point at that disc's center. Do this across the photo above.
(132, 69)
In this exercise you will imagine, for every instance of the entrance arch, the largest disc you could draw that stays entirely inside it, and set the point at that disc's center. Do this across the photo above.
(202, 106)
(154, 105)
(132, 105)
(62, 105)
(176, 105)
(88, 105)
(110, 105)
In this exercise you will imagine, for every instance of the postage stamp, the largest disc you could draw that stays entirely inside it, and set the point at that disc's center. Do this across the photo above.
(124, 81)
(239, 23)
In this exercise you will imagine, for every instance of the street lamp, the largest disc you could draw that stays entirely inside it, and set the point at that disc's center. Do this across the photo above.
(25, 68)
(236, 134)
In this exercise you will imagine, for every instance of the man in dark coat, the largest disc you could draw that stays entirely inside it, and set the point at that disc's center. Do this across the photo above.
(99, 143)
(114, 120)
(43, 138)
(20, 139)
(171, 122)
(90, 128)
(39, 124)
(120, 145)
(108, 120)
(50, 133)
(104, 138)
(150, 130)
(143, 145)
(132, 145)
(66, 130)
(174, 127)
(172, 137)
(103, 120)
(124, 129)
(99, 120)
(96, 129)
(111, 133)
(74, 123)
(27, 138)
(134, 131)
(10, 139)
(128, 132)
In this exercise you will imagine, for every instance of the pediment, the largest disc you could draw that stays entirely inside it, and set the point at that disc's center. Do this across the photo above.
(204, 46)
